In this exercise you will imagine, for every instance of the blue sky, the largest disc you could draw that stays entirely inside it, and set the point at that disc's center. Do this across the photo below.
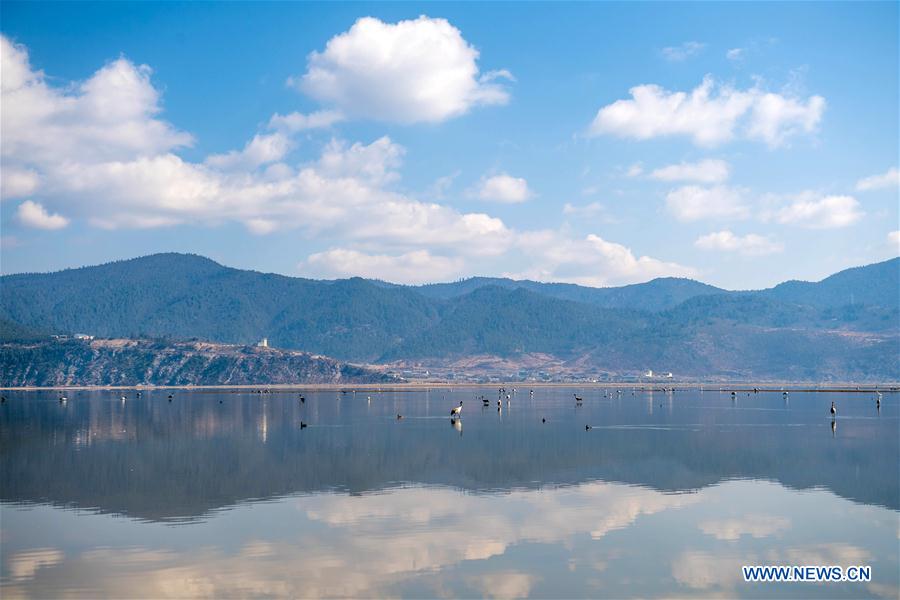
(601, 144)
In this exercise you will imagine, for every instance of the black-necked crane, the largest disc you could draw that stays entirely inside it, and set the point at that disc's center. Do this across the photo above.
(303, 425)
(399, 416)
(454, 412)
(833, 409)
(578, 399)
(587, 427)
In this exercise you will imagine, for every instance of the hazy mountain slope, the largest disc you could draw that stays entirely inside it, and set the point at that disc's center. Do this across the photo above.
(504, 322)
(188, 297)
(658, 294)
(185, 296)
(876, 284)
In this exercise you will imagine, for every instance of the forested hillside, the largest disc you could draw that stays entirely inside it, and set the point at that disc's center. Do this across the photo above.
(846, 326)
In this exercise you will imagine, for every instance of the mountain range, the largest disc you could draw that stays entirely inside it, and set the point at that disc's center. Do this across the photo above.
(845, 327)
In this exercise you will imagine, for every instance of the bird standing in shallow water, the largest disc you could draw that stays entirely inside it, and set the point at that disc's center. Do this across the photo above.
(833, 410)
(456, 410)
(587, 427)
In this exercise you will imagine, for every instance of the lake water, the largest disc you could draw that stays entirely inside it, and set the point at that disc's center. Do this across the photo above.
(223, 494)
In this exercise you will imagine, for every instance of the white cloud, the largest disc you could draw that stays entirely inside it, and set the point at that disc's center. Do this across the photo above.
(589, 261)
(503, 188)
(375, 163)
(692, 203)
(634, 170)
(262, 149)
(111, 116)
(682, 52)
(704, 171)
(115, 167)
(894, 239)
(594, 210)
(295, 121)
(814, 212)
(418, 266)
(504, 584)
(34, 215)
(17, 182)
(24, 565)
(420, 70)
(710, 115)
(749, 245)
(888, 179)
(131, 177)
(440, 186)
(774, 118)
(735, 54)
(754, 525)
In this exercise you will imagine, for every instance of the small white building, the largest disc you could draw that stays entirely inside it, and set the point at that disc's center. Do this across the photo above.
(263, 343)
(83, 336)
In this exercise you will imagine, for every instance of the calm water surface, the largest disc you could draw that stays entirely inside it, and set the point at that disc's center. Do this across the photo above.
(223, 494)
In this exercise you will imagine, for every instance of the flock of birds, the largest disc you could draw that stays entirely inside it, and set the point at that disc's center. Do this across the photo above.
(503, 394)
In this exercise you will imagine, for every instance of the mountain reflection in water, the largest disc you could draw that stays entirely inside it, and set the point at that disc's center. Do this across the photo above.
(225, 495)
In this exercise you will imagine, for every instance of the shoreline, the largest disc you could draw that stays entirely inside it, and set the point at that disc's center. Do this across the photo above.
(725, 386)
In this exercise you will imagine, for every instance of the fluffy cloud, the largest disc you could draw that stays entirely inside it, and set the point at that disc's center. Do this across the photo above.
(262, 149)
(757, 526)
(704, 171)
(894, 239)
(17, 182)
(692, 203)
(295, 121)
(115, 166)
(337, 545)
(682, 52)
(594, 208)
(749, 245)
(111, 116)
(815, 212)
(888, 179)
(412, 71)
(419, 266)
(589, 261)
(710, 115)
(503, 188)
(34, 215)
(376, 162)
(735, 54)
(98, 151)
